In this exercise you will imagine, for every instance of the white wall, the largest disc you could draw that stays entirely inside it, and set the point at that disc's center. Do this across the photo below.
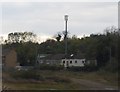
(75, 62)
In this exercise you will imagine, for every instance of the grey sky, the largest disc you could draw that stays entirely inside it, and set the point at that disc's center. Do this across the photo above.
(46, 19)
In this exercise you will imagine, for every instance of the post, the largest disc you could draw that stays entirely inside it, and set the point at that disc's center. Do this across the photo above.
(110, 54)
(66, 19)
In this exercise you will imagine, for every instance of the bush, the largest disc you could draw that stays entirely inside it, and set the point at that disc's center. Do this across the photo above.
(111, 66)
(85, 68)
(90, 68)
(59, 79)
(27, 75)
(74, 68)
(50, 67)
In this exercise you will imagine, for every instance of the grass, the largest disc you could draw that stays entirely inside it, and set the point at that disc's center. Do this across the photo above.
(84, 75)
(42, 86)
(99, 76)
(62, 80)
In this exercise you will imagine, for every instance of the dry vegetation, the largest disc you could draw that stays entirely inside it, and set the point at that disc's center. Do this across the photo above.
(56, 80)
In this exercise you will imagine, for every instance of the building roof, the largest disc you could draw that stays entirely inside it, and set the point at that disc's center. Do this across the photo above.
(54, 56)
(60, 56)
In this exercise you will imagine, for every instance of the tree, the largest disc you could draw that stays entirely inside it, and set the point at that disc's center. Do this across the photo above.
(27, 53)
(10, 38)
(102, 47)
(18, 37)
(28, 36)
(58, 37)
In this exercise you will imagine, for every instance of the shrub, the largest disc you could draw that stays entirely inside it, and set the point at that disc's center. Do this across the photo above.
(59, 79)
(50, 67)
(112, 66)
(85, 68)
(74, 68)
(27, 75)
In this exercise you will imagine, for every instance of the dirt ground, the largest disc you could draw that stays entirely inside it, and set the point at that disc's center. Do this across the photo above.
(90, 85)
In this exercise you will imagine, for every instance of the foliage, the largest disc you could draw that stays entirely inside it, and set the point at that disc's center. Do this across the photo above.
(111, 66)
(83, 69)
(18, 37)
(27, 53)
(30, 74)
(59, 79)
(100, 47)
(50, 67)
(36, 75)
(58, 37)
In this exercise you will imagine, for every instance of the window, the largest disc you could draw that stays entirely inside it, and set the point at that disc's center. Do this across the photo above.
(48, 63)
(41, 62)
(63, 62)
(75, 61)
(83, 61)
(70, 62)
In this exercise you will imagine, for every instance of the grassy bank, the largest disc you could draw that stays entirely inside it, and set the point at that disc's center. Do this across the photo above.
(58, 80)
(99, 76)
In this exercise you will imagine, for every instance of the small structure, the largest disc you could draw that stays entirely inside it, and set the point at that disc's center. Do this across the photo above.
(50, 59)
(9, 58)
(91, 62)
(59, 59)
(73, 62)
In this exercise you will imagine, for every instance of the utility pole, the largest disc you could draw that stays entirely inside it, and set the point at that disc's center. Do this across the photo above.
(66, 20)
(110, 54)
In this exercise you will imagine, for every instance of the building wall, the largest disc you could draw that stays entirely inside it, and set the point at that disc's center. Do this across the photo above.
(11, 59)
(49, 62)
(65, 62)
(92, 62)
(73, 62)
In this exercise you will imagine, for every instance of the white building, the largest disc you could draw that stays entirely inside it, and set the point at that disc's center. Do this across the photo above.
(59, 59)
(73, 62)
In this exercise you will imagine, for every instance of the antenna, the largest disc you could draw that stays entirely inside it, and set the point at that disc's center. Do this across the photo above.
(66, 20)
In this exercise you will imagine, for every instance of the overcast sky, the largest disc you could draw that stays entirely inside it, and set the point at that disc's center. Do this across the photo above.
(46, 19)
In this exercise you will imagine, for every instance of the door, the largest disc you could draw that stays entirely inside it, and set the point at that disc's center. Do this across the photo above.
(67, 64)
